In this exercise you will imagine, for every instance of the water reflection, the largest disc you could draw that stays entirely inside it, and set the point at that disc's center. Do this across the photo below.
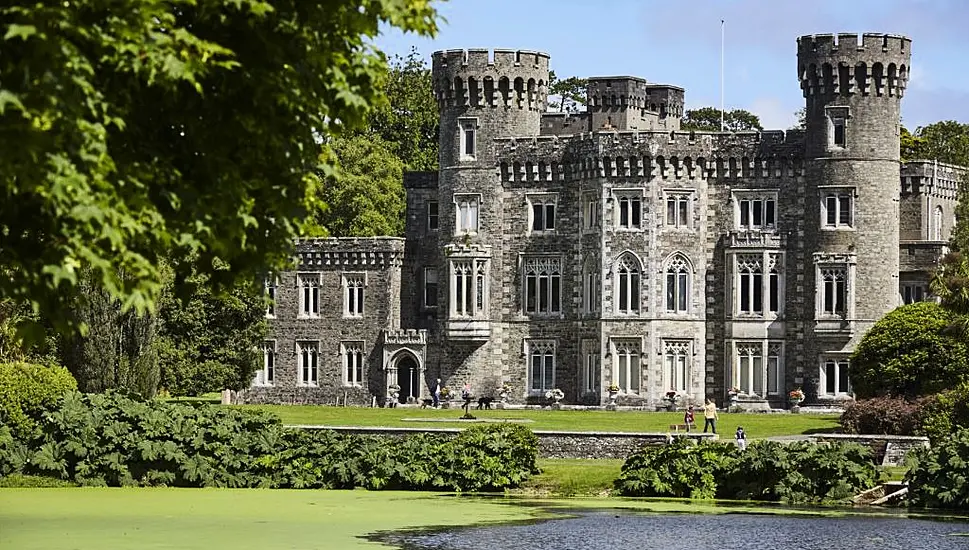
(627, 531)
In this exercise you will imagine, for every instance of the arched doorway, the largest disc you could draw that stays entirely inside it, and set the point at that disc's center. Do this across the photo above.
(408, 378)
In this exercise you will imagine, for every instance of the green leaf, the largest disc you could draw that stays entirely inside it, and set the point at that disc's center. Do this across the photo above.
(19, 31)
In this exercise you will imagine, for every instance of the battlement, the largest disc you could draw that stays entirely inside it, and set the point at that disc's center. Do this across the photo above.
(645, 155)
(848, 64)
(498, 78)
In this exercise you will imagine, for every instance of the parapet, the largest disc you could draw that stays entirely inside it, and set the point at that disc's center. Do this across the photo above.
(850, 64)
(483, 78)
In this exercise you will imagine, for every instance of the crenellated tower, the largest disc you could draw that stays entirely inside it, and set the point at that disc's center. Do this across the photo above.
(482, 95)
(852, 88)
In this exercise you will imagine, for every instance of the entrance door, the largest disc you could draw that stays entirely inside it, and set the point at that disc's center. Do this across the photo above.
(407, 378)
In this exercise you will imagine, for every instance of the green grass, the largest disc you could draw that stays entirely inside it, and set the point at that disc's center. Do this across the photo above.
(756, 425)
(567, 477)
(116, 519)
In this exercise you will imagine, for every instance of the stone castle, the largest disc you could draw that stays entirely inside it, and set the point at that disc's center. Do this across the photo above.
(609, 250)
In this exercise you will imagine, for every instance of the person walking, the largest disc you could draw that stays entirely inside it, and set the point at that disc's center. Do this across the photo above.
(741, 438)
(689, 418)
(710, 416)
(437, 393)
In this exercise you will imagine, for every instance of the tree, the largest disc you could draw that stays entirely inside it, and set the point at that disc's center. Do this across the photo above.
(944, 141)
(801, 116)
(365, 196)
(408, 123)
(707, 119)
(172, 125)
(566, 96)
(208, 341)
(909, 352)
(120, 348)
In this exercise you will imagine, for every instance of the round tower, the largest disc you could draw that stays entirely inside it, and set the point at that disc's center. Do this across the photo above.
(852, 90)
(482, 95)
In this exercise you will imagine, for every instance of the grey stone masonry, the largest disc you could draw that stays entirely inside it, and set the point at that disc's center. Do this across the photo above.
(613, 257)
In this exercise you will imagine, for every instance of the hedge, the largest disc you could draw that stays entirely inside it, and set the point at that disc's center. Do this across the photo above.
(27, 391)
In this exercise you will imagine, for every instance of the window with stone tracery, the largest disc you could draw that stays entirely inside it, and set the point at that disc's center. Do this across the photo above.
(676, 368)
(307, 358)
(678, 285)
(591, 287)
(466, 207)
(834, 291)
(352, 353)
(626, 364)
(543, 285)
(758, 293)
(469, 286)
(590, 366)
(308, 286)
(628, 285)
(541, 365)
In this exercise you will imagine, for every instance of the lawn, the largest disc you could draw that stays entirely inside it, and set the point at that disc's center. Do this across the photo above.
(211, 519)
(756, 425)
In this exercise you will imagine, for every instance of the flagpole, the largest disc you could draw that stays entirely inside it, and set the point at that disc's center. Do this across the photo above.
(721, 76)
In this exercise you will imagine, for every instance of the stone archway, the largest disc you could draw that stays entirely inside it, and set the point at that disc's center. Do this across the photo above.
(408, 377)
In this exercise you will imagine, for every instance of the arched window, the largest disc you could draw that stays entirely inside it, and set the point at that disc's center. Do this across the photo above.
(937, 224)
(627, 285)
(677, 285)
(750, 284)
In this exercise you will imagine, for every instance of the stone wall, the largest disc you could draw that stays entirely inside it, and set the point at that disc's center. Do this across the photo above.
(889, 450)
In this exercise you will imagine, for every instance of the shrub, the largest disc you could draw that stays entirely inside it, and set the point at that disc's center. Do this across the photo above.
(881, 415)
(109, 439)
(27, 391)
(944, 413)
(797, 472)
(939, 476)
(681, 469)
(910, 352)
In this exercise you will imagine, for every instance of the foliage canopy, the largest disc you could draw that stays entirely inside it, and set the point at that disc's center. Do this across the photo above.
(185, 125)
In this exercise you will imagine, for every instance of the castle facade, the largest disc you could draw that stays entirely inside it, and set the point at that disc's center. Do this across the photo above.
(609, 248)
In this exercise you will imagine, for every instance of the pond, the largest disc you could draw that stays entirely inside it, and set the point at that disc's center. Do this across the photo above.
(622, 530)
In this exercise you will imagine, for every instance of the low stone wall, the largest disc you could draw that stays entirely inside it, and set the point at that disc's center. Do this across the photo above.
(889, 450)
(551, 444)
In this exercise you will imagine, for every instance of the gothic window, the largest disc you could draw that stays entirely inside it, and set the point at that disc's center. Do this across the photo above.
(626, 357)
(591, 212)
(543, 282)
(269, 289)
(468, 134)
(677, 285)
(353, 285)
(914, 292)
(678, 209)
(433, 221)
(837, 208)
(352, 353)
(937, 223)
(430, 287)
(630, 209)
(266, 376)
(466, 208)
(756, 211)
(542, 212)
(541, 365)
(590, 366)
(676, 370)
(628, 285)
(750, 284)
(309, 294)
(775, 370)
(834, 291)
(750, 373)
(834, 377)
(469, 286)
(591, 287)
(308, 355)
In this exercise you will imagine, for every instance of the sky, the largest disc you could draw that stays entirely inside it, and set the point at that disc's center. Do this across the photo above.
(678, 42)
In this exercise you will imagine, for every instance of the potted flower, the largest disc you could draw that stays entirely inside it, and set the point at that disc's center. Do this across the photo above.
(503, 391)
(670, 400)
(445, 397)
(796, 396)
(613, 390)
(734, 394)
(555, 395)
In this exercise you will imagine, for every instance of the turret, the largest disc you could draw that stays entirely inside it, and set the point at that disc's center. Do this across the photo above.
(852, 90)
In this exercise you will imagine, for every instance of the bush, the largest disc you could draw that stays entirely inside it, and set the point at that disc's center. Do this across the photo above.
(910, 352)
(882, 415)
(112, 440)
(797, 472)
(939, 477)
(27, 391)
(944, 413)
(681, 469)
